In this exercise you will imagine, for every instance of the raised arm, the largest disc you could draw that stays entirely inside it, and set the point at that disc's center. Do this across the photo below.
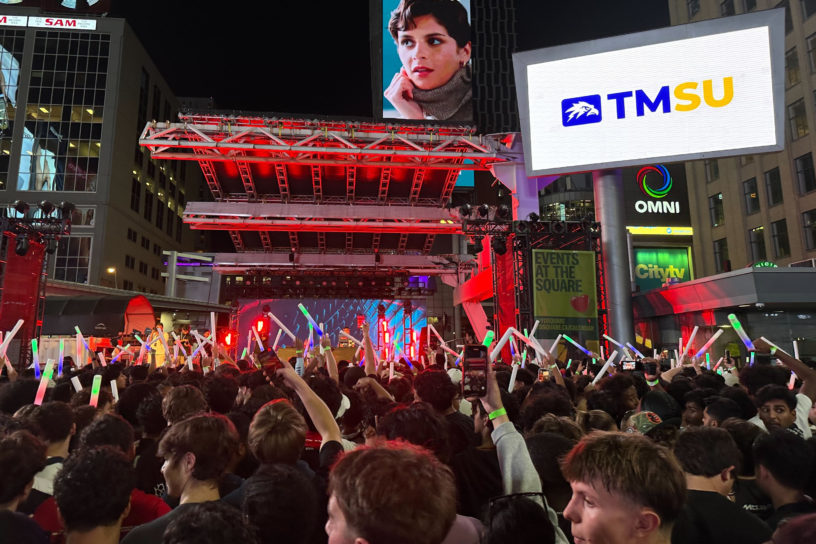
(370, 361)
(321, 416)
(802, 371)
(331, 362)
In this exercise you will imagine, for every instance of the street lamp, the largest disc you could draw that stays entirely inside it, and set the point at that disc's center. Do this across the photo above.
(112, 270)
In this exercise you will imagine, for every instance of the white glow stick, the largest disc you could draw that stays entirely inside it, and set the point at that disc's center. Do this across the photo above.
(554, 346)
(502, 341)
(773, 345)
(679, 347)
(277, 337)
(741, 332)
(636, 350)
(102, 360)
(792, 381)
(513, 375)
(175, 352)
(212, 325)
(533, 330)
(605, 367)
(708, 344)
(390, 370)
(114, 390)
(676, 356)
(344, 334)
(76, 384)
(177, 341)
(257, 338)
(164, 343)
(282, 326)
(9, 336)
(190, 363)
(690, 340)
(603, 355)
(654, 354)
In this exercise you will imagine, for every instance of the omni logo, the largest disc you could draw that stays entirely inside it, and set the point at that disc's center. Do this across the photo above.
(655, 182)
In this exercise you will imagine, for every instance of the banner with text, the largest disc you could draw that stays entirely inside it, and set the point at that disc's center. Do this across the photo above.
(565, 294)
(655, 266)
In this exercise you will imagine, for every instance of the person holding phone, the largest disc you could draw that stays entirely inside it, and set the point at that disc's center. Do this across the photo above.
(433, 44)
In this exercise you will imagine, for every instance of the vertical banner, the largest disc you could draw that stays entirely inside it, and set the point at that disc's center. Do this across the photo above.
(565, 294)
(426, 68)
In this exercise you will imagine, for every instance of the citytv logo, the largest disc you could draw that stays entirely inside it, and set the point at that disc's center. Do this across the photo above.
(583, 110)
(658, 190)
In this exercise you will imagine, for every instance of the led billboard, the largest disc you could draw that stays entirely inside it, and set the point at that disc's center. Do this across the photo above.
(708, 89)
(655, 266)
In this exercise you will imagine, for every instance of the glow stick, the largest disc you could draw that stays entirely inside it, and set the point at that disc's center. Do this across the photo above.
(36, 358)
(78, 360)
(282, 326)
(680, 346)
(603, 355)
(614, 341)
(512, 379)
(654, 353)
(535, 345)
(636, 350)
(310, 319)
(792, 381)
(177, 341)
(676, 356)
(513, 346)
(741, 332)
(690, 340)
(532, 331)
(82, 338)
(76, 384)
(605, 367)
(46, 377)
(390, 370)
(243, 353)
(9, 336)
(569, 363)
(505, 337)
(311, 336)
(774, 345)
(344, 334)
(579, 346)
(719, 362)
(102, 360)
(175, 351)
(95, 387)
(708, 360)
(114, 390)
(277, 337)
(190, 364)
(164, 344)
(751, 359)
(554, 346)
(488, 339)
(257, 338)
(61, 350)
(212, 325)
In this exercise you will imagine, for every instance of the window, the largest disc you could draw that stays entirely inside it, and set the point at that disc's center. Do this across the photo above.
(788, 20)
(712, 170)
(145, 242)
(83, 216)
(773, 187)
(756, 239)
(170, 221)
(73, 259)
(157, 250)
(12, 57)
(791, 68)
(135, 194)
(143, 268)
(130, 261)
(156, 102)
(750, 5)
(138, 157)
(144, 84)
(811, 45)
(178, 229)
(809, 222)
(721, 261)
(715, 208)
(808, 8)
(798, 119)
(148, 211)
(160, 214)
(132, 235)
(779, 236)
(127, 285)
(151, 169)
(804, 173)
(693, 7)
(727, 8)
(749, 189)
(154, 273)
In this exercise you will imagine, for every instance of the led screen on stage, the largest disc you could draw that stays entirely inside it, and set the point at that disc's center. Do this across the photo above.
(708, 89)
(426, 68)
(334, 313)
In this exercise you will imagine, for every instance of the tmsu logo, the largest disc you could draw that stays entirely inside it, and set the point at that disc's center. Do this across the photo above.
(655, 182)
(583, 110)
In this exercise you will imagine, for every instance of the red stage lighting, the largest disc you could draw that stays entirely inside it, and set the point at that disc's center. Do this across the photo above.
(230, 338)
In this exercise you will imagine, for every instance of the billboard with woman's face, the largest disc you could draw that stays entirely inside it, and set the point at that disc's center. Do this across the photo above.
(426, 68)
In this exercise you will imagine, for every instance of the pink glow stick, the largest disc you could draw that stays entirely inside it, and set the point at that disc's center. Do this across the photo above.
(46, 377)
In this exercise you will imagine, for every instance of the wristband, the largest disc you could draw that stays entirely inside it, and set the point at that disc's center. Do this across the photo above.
(653, 383)
(497, 413)
(554, 366)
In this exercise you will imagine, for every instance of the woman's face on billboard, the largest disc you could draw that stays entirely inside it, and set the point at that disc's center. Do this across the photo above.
(428, 54)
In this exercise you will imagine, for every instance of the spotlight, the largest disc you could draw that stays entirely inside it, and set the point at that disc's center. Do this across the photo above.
(483, 210)
(21, 207)
(478, 247)
(499, 245)
(533, 217)
(521, 227)
(465, 210)
(66, 208)
(46, 207)
(503, 211)
(22, 245)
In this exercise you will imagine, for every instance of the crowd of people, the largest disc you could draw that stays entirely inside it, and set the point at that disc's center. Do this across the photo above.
(391, 452)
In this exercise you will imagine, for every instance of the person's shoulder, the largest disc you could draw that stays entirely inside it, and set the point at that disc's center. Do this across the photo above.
(803, 402)
(20, 529)
(148, 502)
(152, 531)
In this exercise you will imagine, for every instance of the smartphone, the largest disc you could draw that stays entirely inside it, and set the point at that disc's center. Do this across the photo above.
(543, 374)
(650, 369)
(474, 371)
(299, 366)
(630, 365)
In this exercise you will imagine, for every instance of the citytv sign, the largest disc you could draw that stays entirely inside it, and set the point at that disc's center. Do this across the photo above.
(655, 182)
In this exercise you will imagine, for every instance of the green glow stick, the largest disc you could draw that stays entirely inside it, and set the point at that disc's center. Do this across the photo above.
(576, 344)
(488, 339)
(95, 387)
(741, 332)
(569, 362)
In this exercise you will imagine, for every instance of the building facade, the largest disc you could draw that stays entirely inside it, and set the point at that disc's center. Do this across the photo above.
(77, 93)
(756, 208)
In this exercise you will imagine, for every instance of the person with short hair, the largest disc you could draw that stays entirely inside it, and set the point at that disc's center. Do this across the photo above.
(210, 522)
(436, 388)
(196, 453)
(22, 455)
(412, 492)
(181, 402)
(93, 494)
(710, 459)
(747, 494)
(776, 407)
(718, 409)
(625, 489)
(784, 462)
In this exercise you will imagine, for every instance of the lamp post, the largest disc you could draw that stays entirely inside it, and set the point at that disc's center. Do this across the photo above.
(112, 270)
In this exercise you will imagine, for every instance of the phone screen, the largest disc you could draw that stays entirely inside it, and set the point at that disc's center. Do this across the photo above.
(543, 374)
(629, 365)
(299, 366)
(474, 375)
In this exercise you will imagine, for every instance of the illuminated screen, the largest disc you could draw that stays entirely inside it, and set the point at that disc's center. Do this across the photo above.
(334, 313)
(706, 89)
(426, 74)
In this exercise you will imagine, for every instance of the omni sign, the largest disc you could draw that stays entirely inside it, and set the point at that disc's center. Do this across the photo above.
(655, 182)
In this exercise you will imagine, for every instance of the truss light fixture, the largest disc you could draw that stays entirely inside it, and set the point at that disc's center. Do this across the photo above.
(21, 206)
(533, 217)
(465, 210)
(500, 245)
(46, 207)
(503, 211)
(483, 210)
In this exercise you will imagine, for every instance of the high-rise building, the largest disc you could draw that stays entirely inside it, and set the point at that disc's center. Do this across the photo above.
(760, 207)
(76, 94)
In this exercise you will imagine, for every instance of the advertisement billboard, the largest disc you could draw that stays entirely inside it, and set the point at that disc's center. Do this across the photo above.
(655, 266)
(656, 194)
(426, 68)
(565, 294)
(708, 89)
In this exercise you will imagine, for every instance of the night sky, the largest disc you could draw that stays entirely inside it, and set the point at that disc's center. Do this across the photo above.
(302, 57)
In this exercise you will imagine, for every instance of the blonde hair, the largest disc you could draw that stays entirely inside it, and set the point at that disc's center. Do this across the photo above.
(277, 433)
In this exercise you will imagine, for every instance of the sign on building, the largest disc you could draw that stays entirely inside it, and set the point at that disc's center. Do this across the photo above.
(655, 266)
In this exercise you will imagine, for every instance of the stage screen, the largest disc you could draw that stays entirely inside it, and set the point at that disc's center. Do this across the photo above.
(708, 89)
(334, 313)
(426, 69)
